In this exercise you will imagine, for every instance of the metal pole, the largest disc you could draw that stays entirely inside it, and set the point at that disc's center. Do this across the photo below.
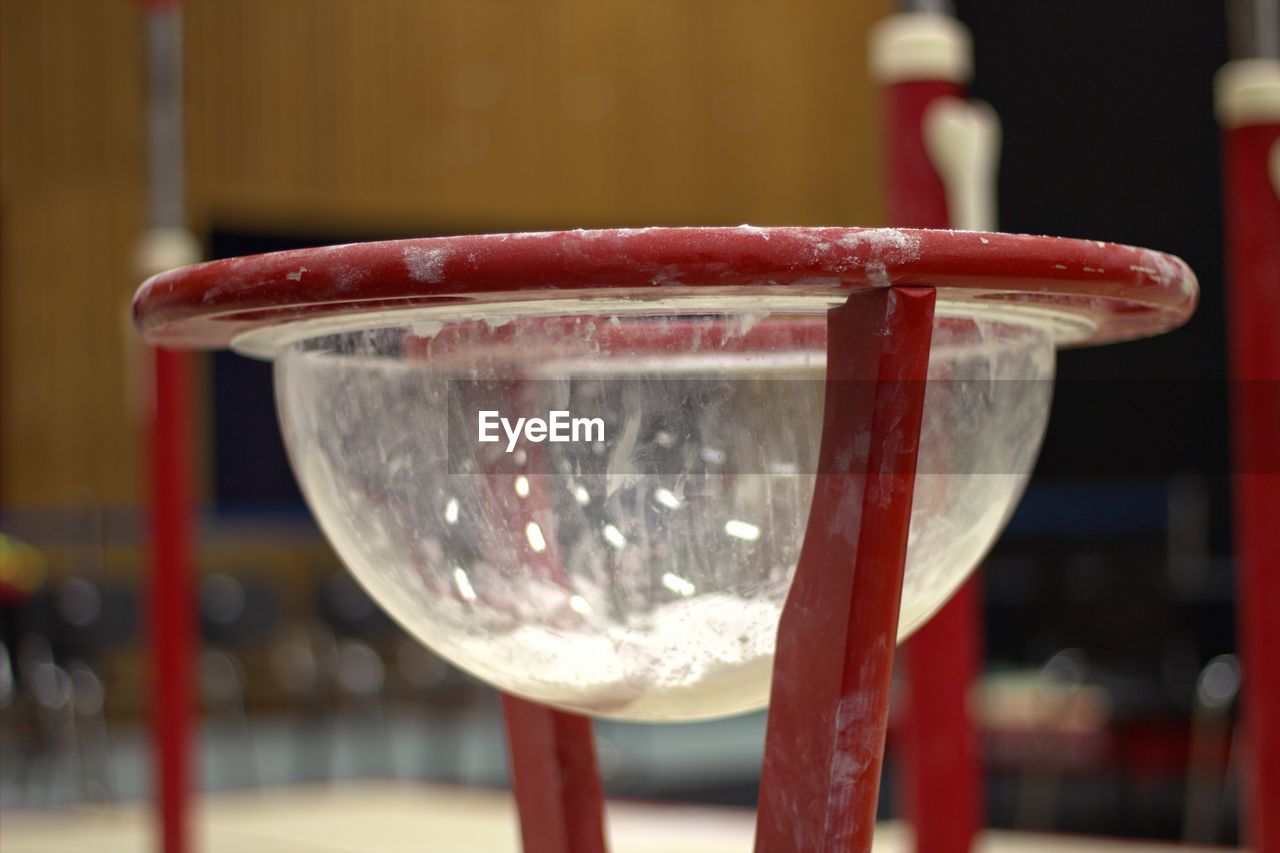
(930, 7)
(1253, 28)
(165, 245)
(934, 179)
(1248, 106)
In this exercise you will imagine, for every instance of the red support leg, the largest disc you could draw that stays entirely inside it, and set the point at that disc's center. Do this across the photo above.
(171, 603)
(557, 785)
(1253, 261)
(940, 762)
(940, 740)
(830, 698)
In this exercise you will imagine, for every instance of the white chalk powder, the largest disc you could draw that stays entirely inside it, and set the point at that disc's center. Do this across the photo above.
(685, 659)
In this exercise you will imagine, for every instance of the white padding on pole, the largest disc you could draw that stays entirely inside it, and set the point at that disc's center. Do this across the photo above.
(920, 46)
(164, 249)
(1247, 92)
(963, 141)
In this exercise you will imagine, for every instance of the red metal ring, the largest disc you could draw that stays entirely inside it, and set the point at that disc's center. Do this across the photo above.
(1119, 292)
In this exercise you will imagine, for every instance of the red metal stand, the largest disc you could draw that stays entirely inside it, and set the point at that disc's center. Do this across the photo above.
(838, 632)
(943, 776)
(941, 770)
(830, 698)
(1253, 259)
(170, 604)
(553, 772)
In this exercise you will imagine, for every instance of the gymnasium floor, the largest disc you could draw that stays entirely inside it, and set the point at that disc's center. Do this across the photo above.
(362, 817)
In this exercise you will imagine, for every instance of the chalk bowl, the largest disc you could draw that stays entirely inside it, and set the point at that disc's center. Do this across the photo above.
(624, 544)
(630, 557)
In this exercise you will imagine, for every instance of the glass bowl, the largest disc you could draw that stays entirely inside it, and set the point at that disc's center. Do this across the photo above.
(637, 568)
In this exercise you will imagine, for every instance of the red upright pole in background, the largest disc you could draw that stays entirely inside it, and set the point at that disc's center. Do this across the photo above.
(829, 703)
(915, 196)
(170, 605)
(921, 59)
(165, 245)
(1249, 110)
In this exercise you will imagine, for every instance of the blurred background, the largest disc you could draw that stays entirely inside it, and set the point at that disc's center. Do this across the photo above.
(1107, 702)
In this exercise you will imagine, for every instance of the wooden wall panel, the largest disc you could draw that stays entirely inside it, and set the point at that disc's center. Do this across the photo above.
(460, 114)
(71, 208)
(388, 117)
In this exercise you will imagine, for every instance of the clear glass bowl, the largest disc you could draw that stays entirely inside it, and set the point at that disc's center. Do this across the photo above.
(639, 576)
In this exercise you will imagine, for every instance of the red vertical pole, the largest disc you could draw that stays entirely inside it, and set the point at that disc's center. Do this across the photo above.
(557, 786)
(915, 195)
(170, 603)
(830, 697)
(165, 245)
(1251, 148)
(942, 774)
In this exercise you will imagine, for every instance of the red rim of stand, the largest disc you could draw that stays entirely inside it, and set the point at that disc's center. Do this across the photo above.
(1119, 292)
